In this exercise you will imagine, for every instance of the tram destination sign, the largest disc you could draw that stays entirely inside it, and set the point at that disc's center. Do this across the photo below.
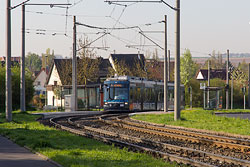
(117, 85)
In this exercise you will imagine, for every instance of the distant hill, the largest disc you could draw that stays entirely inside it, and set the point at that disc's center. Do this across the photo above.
(234, 58)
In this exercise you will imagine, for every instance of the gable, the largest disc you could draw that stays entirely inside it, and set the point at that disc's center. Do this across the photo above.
(54, 76)
(199, 76)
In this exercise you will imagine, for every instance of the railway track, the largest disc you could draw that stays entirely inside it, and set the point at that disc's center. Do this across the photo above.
(187, 147)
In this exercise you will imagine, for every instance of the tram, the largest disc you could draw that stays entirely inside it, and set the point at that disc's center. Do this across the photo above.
(126, 93)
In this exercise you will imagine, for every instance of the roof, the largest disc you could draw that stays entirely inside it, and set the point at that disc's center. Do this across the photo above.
(64, 69)
(37, 73)
(156, 68)
(130, 59)
(214, 73)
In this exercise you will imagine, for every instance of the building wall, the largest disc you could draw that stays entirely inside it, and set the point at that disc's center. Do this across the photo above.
(42, 79)
(50, 94)
(54, 77)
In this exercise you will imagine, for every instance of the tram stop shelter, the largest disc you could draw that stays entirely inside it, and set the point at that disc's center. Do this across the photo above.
(212, 97)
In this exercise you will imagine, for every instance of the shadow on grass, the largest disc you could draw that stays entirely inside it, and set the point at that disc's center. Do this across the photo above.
(50, 139)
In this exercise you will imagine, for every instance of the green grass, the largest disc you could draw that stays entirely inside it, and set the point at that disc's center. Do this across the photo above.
(70, 150)
(202, 119)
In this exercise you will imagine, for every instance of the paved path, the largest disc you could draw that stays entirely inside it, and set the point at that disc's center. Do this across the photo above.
(12, 155)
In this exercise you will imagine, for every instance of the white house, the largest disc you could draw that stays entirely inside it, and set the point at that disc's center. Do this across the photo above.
(54, 82)
(40, 81)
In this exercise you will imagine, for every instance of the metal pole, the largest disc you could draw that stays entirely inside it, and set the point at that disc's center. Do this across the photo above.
(249, 85)
(227, 93)
(8, 102)
(208, 83)
(46, 76)
(22, 85)
(166, 71)
(204, 99)
(191, 97)
(177, 112)
(232, 93)
(168, 65)
(244, 98)
(74, 67)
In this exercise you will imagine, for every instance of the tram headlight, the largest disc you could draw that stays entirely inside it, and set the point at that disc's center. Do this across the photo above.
(106, 103)
(126, 103)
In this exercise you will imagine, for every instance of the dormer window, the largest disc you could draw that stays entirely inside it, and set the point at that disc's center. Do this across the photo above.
(38, 83)
(55, 83)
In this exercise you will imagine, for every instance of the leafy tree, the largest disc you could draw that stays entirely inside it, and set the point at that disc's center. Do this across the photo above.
(29, 89)
(243, 66)
(87, 66)
(188, 67)
(33, 62)
(215, 61)
(121, 68)
(48, 57)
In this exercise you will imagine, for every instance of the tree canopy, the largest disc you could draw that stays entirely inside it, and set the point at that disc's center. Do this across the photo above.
(33, 62)
(188, 67)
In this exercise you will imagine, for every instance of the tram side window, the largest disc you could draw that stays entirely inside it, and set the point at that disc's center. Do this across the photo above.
(138, 93)
(152, 95)
(131, 93)
(146, 95)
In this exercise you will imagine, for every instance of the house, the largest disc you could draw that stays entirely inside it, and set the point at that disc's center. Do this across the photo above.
(59, 83)
(156, 69)
(14, 60)
(214, 73)
(40, 81)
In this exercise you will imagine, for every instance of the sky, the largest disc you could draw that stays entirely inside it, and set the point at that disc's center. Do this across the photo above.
(206, 26)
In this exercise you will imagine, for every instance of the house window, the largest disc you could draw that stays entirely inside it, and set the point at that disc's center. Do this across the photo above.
(38, 83)
(55, 83)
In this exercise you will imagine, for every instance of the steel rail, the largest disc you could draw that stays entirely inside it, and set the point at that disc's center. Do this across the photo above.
(199, 153)
(108, 140)
(188, 133)
(243, 148)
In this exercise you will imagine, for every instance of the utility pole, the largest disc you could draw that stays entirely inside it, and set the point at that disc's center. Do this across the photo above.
(249, 85)
(244, 92)
(177, 97)
(8, 91)
(168, 65)
(208, 83)
(166, 71)
(46, 75)
(22, 84)
(191, 97)
(227, 87)
(22, 78)
(74, 67)
(232, 92)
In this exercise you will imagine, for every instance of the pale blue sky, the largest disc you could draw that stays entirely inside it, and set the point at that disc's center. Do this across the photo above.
(205, 26)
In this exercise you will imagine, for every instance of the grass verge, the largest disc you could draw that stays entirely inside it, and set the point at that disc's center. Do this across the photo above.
(202, 119)
(70, 150)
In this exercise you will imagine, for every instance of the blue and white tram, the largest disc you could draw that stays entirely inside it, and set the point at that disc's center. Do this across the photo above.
(125, 93)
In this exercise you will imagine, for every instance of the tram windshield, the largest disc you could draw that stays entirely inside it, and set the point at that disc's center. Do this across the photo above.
(116, 93)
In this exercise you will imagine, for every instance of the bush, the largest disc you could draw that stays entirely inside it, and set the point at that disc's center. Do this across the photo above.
(29, 89)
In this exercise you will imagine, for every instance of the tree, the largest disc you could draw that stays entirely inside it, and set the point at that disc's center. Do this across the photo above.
(87, 66)
(47, 58)
(215, 62)
(33, 62)
(29, 89)
(188, 67)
